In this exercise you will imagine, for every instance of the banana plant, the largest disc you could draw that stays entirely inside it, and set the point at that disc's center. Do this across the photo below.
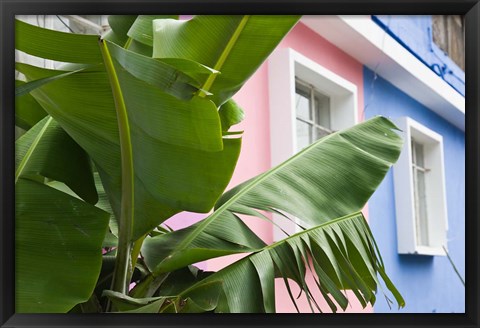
(134, 127)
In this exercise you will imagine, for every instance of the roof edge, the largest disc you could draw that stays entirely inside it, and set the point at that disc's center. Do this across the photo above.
(384, 55)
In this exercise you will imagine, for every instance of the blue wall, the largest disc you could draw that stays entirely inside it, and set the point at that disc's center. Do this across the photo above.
(415, 34)
(428, 283)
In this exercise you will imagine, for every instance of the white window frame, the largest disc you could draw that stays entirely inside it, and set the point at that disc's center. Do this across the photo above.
(283, 66)
(313, 122)
(90, 24)
(437, 219)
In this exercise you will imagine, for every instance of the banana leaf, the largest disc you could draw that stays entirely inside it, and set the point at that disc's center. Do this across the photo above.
(343, 256)
(28, 111)
(58, 237)
(331, 178)
(58, 240)
(55, 45)
(46, 151)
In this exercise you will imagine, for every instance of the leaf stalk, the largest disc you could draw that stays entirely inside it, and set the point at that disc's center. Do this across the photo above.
(122, 262)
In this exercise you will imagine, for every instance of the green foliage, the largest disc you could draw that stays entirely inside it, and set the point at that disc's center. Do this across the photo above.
(133, 128)
(58, 241)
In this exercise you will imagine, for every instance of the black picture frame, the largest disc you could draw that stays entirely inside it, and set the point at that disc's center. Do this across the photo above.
(10, 8)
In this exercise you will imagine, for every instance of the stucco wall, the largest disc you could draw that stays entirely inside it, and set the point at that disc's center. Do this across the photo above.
(414, 32)
(428, 283)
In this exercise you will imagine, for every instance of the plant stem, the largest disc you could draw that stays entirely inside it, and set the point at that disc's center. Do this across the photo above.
(122, 261)
(136, 248)
(128, 43)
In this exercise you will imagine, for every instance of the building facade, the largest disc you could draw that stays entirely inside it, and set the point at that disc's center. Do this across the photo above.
(435, 212)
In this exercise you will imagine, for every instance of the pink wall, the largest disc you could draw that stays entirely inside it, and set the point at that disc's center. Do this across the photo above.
(255, 155)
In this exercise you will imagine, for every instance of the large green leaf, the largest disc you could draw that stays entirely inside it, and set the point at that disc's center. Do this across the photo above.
(142, 29)
(58, 242)
(47, 151)
(24, 88)
(329, 179)
(110, 239)
(120, 24)
(134, 32)
(60, 46)
(343, 254)
(27, 110)
(53, 229)
(194, 124)
(228, 235)
(230, 114)
(233, 45)
(164, 74)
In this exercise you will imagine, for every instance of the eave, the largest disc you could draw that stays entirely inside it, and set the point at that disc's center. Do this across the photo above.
(362, 39)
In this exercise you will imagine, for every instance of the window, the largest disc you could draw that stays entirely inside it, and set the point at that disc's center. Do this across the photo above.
(420, 191)
(86, 24)
(312, 114)
(307, 102)
(448, 33)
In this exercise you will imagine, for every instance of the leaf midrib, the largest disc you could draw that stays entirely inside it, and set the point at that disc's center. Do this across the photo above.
(224, 55)
(121, 271)
(320, 226)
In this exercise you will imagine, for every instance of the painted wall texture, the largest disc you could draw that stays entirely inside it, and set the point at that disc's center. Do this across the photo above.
(428, 283)
(415, 34)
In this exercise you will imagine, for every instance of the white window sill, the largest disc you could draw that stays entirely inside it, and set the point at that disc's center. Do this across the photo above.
(429, 251)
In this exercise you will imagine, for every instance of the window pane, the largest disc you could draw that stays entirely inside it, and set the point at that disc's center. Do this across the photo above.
(302, 102)
(321, 133)
(419, 172)
(304, 135)
(418, 148)
(322, 110)
(421, 209)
